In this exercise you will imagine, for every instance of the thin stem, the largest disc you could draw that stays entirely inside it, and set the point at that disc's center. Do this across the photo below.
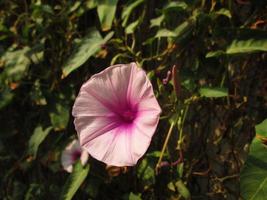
(181, 126)
(165, 145)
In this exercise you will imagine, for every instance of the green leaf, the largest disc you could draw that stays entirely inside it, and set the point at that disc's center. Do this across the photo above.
(59, 117)
(133, 196)
(182, 189)
(131, 27)
(261, 128)
(215, 54)
(254, 174)
(224, 12)
(156, 21)
(155, 154)
(247, 46)
(171, 186)
(165, 33)
(179, 32)
(86, 48)
(90, 4)
(128, 10)
(36, 139)
(16, 64)
(106, 11)
(213, 92)
(74, 181)
(182, 30)
(175, 5)
(146, 172)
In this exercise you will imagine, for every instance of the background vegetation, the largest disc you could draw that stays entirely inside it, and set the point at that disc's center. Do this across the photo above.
(218, 93)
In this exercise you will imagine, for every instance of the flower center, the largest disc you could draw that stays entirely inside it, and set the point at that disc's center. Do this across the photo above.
(76, 155)
(128, 116)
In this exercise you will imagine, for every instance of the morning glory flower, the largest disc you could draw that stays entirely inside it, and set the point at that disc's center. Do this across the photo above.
(116, 114)
(71, 154)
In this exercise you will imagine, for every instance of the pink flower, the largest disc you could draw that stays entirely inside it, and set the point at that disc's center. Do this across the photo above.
(71, 154)
(116, 115)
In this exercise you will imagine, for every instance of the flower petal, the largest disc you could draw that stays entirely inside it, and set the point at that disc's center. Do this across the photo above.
(141, 136)
(67, 155)
(112, 148)
(84, 157)
(66, 160)
(110, 86)
(104, 109)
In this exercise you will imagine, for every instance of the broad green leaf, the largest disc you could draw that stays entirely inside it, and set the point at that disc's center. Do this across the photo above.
(131, 27)
(106, 11)
(128, 10)
(247, 46)
(175, 5)
(261, 128)
(165, 33)
(214, 54)
(146, 172)
(36, 139)
(254, 174)
(74, 181)
(59, 117)
(213, 92)
(171, 186)
(182, 30)
(156, 21)
(182, 189)
(15, 64)
(90, 4)
(224, 12)
(133, 196)
(86, 48)
(75, 6)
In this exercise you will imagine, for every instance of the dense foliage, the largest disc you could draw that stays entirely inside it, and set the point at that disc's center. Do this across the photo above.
(211, 104)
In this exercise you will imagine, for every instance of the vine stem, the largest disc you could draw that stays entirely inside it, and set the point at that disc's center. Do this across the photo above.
(165, 145)
(181, 126)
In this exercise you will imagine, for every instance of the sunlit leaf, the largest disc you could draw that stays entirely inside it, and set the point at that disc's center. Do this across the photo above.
(261, 128)
(213, 92)
(165, 33)
(86, 48)
(171, 186)
(175, 5)
(90, 4)
(254, 174)
(247, 46)
(183, 29)
(74, 181)
(133, 196)
(224, 12)
(38, 136)
(214, 54)
(15, 64)
(156, 21)
(131, 27)
(182, 189)
(106, 11)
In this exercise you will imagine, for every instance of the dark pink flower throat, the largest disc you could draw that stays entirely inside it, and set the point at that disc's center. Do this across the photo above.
(128, 116)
